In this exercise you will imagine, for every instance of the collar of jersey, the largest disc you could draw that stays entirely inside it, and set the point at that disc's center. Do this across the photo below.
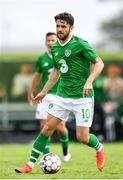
(49, 54)
(66, 41)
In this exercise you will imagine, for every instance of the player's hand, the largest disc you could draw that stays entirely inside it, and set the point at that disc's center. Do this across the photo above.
(30, 98)
(38, 98)
(87, 88)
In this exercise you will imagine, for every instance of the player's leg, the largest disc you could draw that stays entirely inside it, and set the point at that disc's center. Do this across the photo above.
(41, 115)
(60, 111)
(64, 139)
(40, 143)
(84, 117)
(47, 147)
(91, 140)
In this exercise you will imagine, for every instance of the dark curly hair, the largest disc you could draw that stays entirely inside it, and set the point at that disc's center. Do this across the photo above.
(65, 17)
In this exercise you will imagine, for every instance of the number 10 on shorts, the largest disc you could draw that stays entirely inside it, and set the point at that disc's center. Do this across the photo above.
(86, 114)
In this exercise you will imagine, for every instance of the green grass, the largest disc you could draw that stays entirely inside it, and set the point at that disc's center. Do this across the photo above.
(111, 56)
(81, 166)
(20, 57)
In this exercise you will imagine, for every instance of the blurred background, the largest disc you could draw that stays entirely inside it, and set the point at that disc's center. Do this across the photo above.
(23, 25)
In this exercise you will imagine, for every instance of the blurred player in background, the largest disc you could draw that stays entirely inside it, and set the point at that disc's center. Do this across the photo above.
(43, 68)
(2, 92)
(21, 82)
(77, 65)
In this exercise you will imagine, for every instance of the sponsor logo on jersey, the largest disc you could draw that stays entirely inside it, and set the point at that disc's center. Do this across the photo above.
(46, 64)
(67, 52)
(56, 54)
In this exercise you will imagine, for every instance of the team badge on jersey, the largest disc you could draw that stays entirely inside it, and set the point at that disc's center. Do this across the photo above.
(67, 52)
(50, 106)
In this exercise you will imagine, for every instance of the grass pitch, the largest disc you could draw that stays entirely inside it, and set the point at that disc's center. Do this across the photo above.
(81, 166)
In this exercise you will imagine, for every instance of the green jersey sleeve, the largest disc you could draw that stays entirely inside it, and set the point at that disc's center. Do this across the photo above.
(38, 66)
(53, 54)
(88, 52)
(54, 64)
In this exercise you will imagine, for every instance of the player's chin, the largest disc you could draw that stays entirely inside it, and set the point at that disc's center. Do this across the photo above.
(60, 36)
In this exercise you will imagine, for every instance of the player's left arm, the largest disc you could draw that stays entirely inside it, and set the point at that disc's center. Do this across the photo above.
(96, 69)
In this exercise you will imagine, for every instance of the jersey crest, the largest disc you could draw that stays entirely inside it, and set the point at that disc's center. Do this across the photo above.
(67, 52)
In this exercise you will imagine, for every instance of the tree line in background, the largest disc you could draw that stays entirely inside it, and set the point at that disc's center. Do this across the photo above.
(112, 29)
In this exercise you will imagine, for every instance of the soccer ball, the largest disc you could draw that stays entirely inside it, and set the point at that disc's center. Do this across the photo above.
(50, 163)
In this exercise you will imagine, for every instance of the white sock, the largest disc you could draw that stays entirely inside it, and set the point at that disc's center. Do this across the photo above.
(100, 148)
(31, 164)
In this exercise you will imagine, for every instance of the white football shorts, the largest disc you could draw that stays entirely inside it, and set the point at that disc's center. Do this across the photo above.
(82, 108)
(42, 108)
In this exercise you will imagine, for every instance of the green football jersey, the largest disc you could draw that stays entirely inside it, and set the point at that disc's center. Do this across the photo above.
(73, 59)
(44, 66)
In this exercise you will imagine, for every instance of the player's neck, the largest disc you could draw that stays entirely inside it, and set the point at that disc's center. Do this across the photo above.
(49, 54)
(64, 42)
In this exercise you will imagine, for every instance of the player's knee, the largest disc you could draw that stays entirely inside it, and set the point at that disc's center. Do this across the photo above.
(82, 138)
(47, 130)
(58, 129)
(61, 129)
(42, 123)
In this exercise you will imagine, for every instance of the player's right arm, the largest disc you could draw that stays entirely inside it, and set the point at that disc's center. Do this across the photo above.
(53, 78)
(34, 86)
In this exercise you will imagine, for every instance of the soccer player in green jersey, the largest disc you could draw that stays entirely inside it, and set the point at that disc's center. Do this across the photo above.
(76, 65)
(44, 66)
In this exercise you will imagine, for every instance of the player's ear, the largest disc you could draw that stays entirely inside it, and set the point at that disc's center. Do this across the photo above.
(71, 28)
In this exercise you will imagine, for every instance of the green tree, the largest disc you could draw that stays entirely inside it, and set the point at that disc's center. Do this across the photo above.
(113, 29)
